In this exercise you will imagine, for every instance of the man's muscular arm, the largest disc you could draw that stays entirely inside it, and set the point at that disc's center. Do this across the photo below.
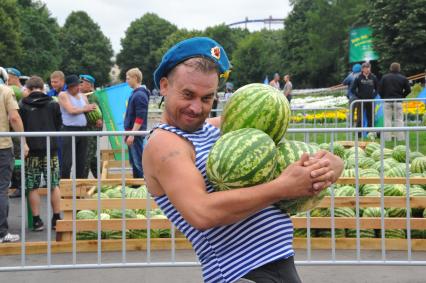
(170, 169)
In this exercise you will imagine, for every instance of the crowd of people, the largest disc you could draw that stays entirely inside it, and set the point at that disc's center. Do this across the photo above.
(363, 87)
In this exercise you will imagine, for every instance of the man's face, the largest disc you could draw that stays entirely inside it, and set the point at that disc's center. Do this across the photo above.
(132, 81)
(276, 78)
(57, 83)
(366, 70)
(74, 89)
(85, 86)
(189, 97)
(13, 80)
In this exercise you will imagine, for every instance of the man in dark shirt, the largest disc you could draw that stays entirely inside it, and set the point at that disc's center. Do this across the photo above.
(136, 119)
(394, 86)
(364, 87)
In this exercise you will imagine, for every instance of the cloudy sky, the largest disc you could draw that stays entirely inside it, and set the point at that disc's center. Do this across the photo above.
(115, 16)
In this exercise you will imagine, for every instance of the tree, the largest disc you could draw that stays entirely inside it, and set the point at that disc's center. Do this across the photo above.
(85, 48)
(143, 37)
(228, 37)
(399, 32)
(10, 38)
(40, 39)
(256, 56)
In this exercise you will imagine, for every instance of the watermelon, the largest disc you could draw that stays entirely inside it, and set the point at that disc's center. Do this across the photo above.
(17, 92)
(415, 154)
(301, 204)
(338, 149)
(348, 173)
(395, 234)
(86, 214)
(371, 147)
(117, 213)
(363, 233)
(87, 235)
(345, 191)
(418, 234)
(394, 190)
(399, 153)
(388, 163)
(371, 193)
(326, 233)
(114, 192)
(366, 162)
(241, 158)
(94, 116)
(398, 170)
(396, 212)
(387, 153)
(369, 189)
(300, 233)
(257, 106)
(352, 151)
(372, 212)
(290, 151)
(418, 165)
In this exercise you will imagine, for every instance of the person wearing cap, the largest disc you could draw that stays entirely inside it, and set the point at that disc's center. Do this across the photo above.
(41, 113)
(136, 119)
(364, 87)
(394, 85)
(15, 84)
(218, 224)
(348, 81)
(57, 82)
(87, 87)
(73, 106)
(275, 82)
(9, 116)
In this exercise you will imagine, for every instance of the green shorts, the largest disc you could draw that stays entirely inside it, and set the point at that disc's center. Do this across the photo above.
(36, 166)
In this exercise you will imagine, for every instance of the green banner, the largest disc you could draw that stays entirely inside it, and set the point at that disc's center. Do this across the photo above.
(361, 45)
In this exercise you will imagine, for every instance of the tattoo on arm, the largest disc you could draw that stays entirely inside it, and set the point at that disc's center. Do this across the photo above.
(170, 155)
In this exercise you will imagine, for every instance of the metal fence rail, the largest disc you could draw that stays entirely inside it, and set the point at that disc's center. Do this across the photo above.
(123, 260)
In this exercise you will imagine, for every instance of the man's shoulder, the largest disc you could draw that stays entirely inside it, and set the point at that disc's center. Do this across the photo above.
(161, 141)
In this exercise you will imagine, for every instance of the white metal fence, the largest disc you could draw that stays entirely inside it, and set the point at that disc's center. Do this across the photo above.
(122, 260)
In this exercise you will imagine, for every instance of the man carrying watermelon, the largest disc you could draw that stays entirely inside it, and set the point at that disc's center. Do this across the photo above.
(237, 235)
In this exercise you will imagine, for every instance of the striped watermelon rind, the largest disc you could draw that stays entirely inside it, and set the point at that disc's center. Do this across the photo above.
(257, 106)
(376, 155)
(241, 158)
(371, 147)
(418, 165)
(399, 153)
(94, 115)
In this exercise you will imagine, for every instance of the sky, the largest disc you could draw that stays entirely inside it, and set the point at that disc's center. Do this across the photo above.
(115, 16)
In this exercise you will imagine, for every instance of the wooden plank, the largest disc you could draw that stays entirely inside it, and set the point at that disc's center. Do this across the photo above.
(112, 224)
(415, 202)
(92, 204)
(365, 222)
(92, 246)
(108, 182)
(376, 180)
(365, 244)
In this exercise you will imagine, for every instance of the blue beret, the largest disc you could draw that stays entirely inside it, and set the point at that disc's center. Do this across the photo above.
(356, 68)
(190, 48)
(14, 72)
(88, 78)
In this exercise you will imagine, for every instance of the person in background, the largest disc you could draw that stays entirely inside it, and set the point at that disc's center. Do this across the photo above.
(73, 106)
(275, 82)
(394, 85)
(229, 89)
(348, 81)
(136, 119)
(41, 113)
(218, 224)
(8, 116)
(364, 87)
(14, 82)
(57, 81)
(288, 87)
(87, 86)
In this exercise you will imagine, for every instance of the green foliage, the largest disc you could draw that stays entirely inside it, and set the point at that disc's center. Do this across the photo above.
(256, 56)
(144, 36)
(85, 48)
(40, 38)
(10, 37)
(399, 30)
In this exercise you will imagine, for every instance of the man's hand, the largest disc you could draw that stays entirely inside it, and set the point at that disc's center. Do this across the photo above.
(99, 123)
(89, 107)
(26, 150)
(130, 140)
(336, 163)
(306, 180)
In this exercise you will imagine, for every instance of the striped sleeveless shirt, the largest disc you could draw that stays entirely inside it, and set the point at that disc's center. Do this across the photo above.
(229, 252)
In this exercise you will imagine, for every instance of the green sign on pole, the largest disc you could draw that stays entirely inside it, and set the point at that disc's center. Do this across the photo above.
(361, 45)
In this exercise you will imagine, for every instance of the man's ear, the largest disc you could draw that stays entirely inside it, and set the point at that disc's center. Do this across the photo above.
(164, 86)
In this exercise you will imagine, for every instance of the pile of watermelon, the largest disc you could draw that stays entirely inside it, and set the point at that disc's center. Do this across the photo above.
(106, 214)
(252, 150)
